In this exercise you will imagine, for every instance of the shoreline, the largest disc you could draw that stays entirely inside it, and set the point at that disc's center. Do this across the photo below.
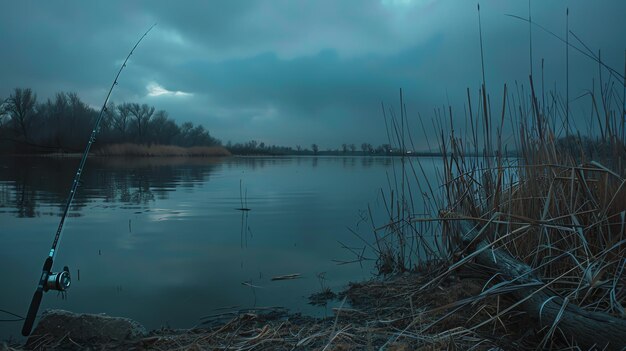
(78, 155)
(388, 312)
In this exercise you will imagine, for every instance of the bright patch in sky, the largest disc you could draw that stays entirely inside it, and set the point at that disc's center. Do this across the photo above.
(155, 89)
(172, 36)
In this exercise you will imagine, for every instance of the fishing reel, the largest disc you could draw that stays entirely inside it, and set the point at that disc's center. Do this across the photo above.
(59, 281)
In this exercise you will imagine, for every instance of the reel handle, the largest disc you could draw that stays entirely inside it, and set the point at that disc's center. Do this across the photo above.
(32, 312)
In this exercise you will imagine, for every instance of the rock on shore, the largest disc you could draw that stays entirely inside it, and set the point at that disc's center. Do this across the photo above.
(83, 329)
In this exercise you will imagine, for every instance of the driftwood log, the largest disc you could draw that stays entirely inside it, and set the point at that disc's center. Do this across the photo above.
(587, 329)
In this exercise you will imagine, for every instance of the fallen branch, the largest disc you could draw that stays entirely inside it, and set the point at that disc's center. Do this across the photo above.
(586, 328)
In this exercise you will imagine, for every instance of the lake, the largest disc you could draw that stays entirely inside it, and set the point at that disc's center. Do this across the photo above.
(161, 240)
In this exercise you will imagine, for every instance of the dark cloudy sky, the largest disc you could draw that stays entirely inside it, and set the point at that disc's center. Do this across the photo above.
(296, 72)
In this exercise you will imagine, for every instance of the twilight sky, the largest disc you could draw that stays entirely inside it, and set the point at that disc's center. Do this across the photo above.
(299, 72)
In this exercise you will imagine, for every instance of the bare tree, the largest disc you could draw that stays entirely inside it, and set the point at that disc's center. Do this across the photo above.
(4, 115)
(120, 119)
(191, 135)
(315, 148)
(162, 128)
(4, 120)
(81, 118)
(141, 115)
(367, 148)
(52, 114)
(20, 106)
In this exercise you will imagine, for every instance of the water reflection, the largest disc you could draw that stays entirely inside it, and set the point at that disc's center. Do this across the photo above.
(253, 162)
(245, 231)
(30, 183)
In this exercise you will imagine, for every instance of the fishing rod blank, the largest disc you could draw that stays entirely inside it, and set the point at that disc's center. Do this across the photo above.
(61, 281)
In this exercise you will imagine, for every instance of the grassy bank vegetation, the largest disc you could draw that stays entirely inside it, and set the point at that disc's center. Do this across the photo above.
(136, 150)
(559, 207)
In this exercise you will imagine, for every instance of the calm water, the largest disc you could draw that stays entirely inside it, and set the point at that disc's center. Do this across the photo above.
(161, 241)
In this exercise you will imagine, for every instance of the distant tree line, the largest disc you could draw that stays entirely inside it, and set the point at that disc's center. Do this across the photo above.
(65, 122)
(254, 147)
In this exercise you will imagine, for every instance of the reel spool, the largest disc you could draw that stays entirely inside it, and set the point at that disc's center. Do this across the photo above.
(59, 281)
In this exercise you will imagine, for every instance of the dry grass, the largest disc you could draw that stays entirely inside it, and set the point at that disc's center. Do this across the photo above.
(392, 314)
(570, 200)
(137, 150)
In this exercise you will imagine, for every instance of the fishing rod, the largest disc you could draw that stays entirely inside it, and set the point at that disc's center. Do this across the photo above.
(61, 281)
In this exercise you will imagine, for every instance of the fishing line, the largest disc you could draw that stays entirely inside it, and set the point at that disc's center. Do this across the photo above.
(19, 318)
(566, 42)
(61, 281)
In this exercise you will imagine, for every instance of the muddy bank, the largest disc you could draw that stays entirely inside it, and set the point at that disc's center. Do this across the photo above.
(392, 313)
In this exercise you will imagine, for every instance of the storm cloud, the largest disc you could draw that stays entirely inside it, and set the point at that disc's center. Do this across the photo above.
(298, 72)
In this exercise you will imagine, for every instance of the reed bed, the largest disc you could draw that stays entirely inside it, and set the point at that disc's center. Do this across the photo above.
(551, 197)
(139, 150)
